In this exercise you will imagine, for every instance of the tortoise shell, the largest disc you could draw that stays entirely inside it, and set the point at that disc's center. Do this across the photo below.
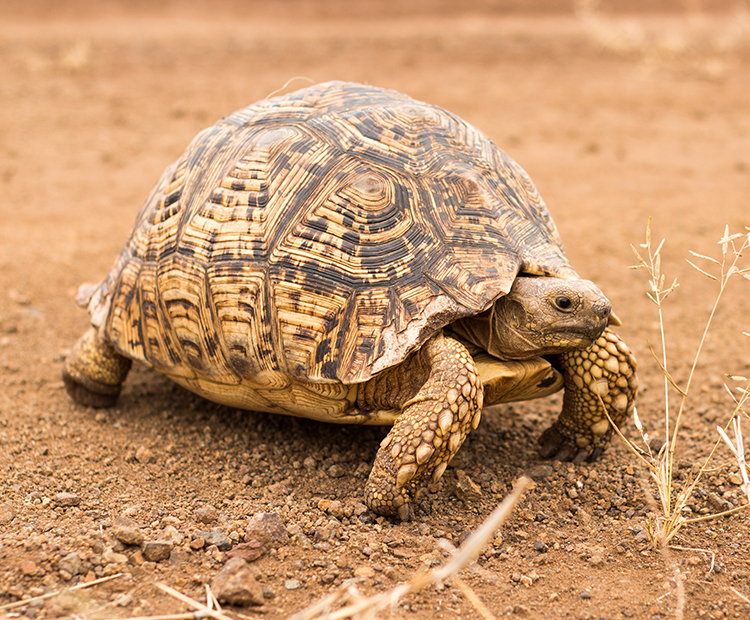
(321, 236)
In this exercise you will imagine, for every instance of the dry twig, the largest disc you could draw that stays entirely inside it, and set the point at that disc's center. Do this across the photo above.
(43, 597)
(369, 607)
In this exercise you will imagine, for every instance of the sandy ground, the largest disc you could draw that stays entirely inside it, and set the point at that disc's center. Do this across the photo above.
(616, 117)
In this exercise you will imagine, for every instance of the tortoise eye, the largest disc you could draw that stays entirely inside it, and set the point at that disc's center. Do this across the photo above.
(563, 303)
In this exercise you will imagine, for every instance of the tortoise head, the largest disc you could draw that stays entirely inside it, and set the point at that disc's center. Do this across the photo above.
(544, 315)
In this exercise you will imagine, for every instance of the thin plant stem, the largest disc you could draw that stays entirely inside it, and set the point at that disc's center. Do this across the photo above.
(661, 466)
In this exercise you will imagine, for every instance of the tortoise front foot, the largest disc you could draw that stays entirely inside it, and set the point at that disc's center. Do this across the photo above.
(598, 378)
(431, 428)
(94, 371)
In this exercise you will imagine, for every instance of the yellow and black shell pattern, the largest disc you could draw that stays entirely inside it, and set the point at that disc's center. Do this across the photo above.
(321, 235)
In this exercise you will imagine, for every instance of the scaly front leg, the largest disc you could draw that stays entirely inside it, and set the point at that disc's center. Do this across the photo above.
(606, 371)
(440, 396)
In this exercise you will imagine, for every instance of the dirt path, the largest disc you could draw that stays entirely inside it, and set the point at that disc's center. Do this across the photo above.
(615, 119)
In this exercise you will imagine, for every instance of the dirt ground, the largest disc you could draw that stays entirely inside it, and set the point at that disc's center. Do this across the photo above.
(617, 117)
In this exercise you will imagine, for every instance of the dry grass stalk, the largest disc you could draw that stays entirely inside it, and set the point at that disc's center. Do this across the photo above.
(737, 447)
(661, 465)
(201, 610)
(742, 596)
(43, 597)
(357, 606)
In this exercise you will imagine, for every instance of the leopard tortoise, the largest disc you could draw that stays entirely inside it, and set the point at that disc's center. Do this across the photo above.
(348, 254)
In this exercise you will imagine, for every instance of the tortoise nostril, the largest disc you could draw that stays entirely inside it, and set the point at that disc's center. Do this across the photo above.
(602, 309)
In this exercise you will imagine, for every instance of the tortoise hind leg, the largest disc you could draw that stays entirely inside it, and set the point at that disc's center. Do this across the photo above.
(440, 396)
(94, 371)
(604, 371)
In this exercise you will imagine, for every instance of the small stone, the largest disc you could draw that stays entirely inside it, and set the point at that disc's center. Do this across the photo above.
(515, 577)
(123, 599)
(206, 514)
(221, 541)
(521, 610)
(735, 478)
(127, 532)
(526, 580)
(585, 595)
(642, 536)
(268, 593)
(248, 551)
(156, 550)
(337, 470)
(572, 494)
(309, 463)
(7, 513)
(71, 564)
(540, 472)
(197, 543)
(268, 529)
(235, 584)
(292, 584)
(171, 534)
(541, 546)
(65, 499)
(110, 557)
(279, 489)
(364, 571)
(335, 509)
(143, 455)
(597, 559)
(28, 567)
(467, 490)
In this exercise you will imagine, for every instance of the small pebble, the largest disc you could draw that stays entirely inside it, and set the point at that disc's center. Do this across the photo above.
(7, 513)
(248, 551)
(71, 564)
(541, 546)
(206, 514)
(156, 550)
(221, 541)
(127, 532)
(235, 584)
(292, 584)
(585, 595)
(268, 529)
(467, 490)
(67, 499)
(337, 470)
(143, 456)
(28, 567)
(540, 472)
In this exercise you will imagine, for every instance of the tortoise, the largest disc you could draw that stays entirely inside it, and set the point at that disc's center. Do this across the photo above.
(348, 254)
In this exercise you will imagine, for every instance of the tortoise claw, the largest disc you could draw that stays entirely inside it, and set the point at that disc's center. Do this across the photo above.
(406, 512)
(555, 445)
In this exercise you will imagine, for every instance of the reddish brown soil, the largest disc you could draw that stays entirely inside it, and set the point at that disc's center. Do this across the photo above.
(616, 117)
